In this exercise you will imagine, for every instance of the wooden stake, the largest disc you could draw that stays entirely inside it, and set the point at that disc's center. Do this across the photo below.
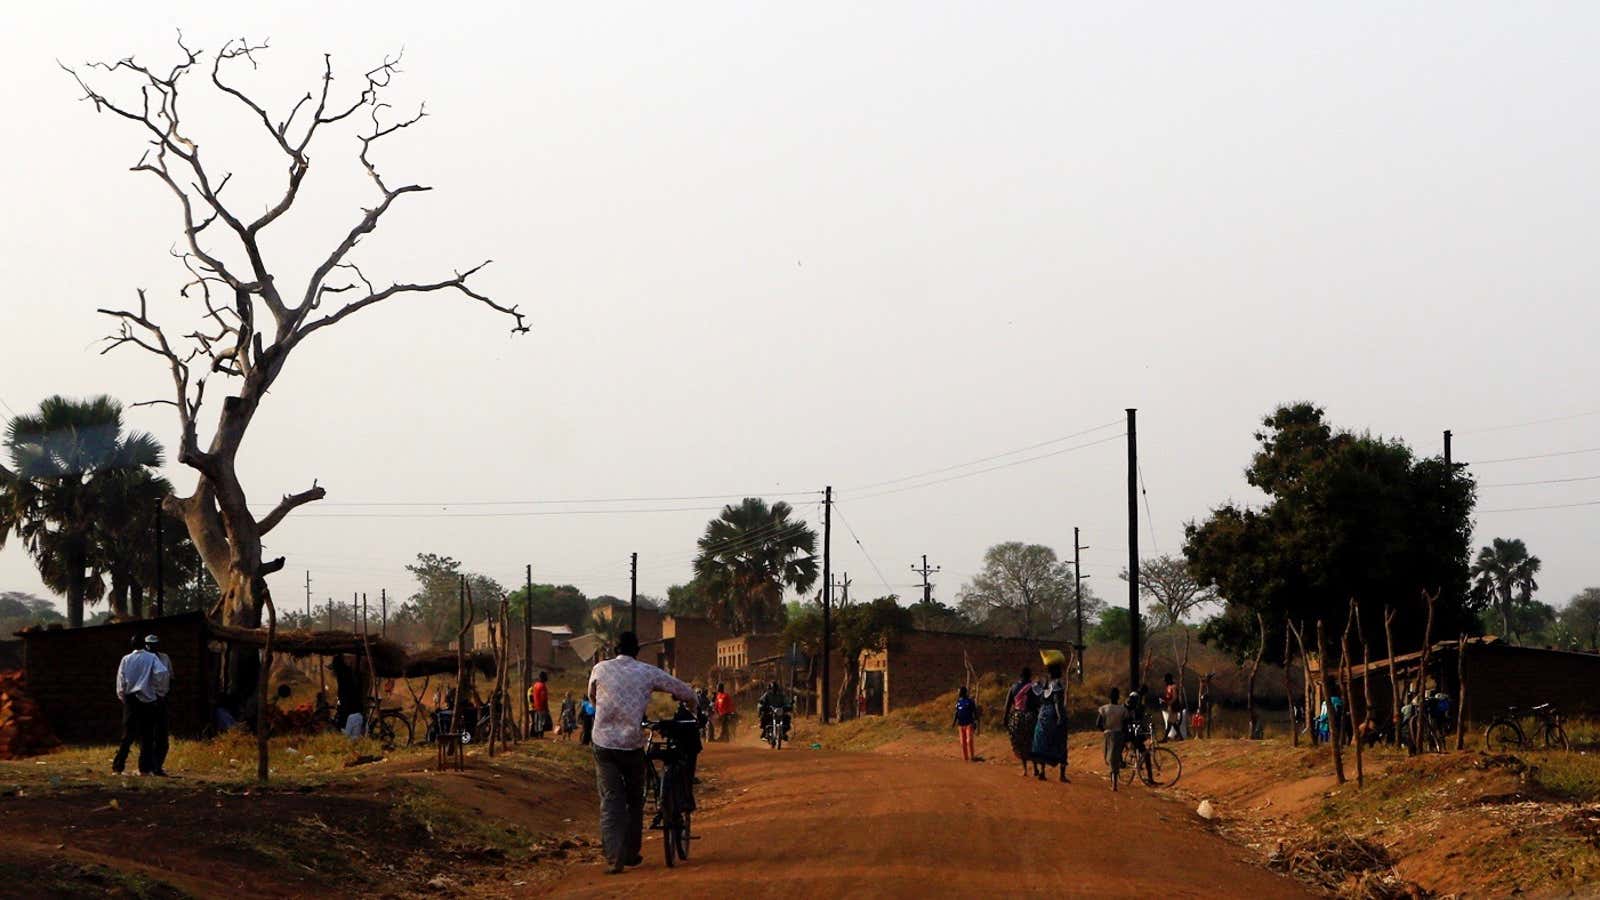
(1288, 685)
(1461, 688)
(1344, 673)
(1305, 679)
(1333, 732)
(1250, 680)
(1394, 678)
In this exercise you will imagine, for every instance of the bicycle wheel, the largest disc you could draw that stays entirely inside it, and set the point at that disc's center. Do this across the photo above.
(669, 837)
(1556, 736)
(1503, 735)
(1130, 763)
(683, 838)
(1162, 768)
(382, 731)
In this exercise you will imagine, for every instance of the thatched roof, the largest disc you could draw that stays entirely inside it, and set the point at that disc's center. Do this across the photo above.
(389, 658)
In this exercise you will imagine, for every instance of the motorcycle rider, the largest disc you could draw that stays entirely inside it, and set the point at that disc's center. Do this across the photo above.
(774, 702)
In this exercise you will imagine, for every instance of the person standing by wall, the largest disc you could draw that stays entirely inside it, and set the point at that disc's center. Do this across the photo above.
(158, 715)
(620, 688)
(966, 722)
(136, 689)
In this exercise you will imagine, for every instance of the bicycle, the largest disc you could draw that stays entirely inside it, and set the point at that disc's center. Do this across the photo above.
(1155, 766)
(671, 788)
(1505, 732)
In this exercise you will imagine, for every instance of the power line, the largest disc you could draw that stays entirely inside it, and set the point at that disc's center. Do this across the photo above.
(1150, 517)
(505, 515)
(1066, 437)
(1008, 465)
(1505, 459)
(1542, 481)
(870, 561)
(1581, 415)
(1506, 509)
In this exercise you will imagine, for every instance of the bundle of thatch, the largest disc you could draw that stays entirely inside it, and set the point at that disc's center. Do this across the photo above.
(23, 731)
(389, 658)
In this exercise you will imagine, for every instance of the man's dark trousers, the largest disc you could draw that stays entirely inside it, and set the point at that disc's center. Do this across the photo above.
(620, 774)
(137, 719)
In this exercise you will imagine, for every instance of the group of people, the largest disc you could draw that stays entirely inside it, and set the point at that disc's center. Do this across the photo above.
(144, 678)
(1036, 719)
(575, 718)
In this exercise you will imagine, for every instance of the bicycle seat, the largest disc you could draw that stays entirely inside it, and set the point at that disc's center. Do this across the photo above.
(1541, 707)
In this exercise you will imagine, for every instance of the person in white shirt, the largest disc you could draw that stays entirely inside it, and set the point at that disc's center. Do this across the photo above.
(142, 679)
(158, 719)
(621, 689)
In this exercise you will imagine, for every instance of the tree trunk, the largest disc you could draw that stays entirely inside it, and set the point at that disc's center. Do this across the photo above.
(1422, 671)
(1322, 678)
(1346, 692)
(262, 770)
(117, 599)
(847, 689)
(1250, 681)
(77, 587)
(136, 600)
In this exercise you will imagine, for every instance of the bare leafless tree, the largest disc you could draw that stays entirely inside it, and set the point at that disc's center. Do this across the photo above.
(252, 316)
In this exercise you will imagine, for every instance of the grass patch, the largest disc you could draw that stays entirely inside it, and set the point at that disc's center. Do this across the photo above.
(1569, 776)
(62, 878)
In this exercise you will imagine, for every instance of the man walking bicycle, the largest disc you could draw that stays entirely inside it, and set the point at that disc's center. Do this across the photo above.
(621, 689)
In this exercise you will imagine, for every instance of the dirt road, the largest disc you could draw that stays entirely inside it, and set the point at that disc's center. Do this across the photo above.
(803, 823)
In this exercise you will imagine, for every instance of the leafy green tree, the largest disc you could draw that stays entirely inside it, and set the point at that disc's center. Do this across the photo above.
(863, 628)
(436, 605)
(1504, 579)
(553, 605)
(1581, 618)
(931, 615)
(1112, 627)
(70, 461)
(20, 610)
(688, 600)
(1024, 591)
(1347, 515)
(1533, 622)
(749, 556)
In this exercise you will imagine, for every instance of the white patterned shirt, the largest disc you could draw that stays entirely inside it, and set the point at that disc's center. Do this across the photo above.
(621, 690)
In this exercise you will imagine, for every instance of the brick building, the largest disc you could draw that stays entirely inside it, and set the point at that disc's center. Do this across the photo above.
(746, 650)
(689, 646)
(546, 641)
(72, 675)
(651, 621)
(921, 665)
(1498, 675)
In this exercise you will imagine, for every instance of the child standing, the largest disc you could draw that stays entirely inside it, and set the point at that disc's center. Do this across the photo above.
(966, 722)
(569, 717)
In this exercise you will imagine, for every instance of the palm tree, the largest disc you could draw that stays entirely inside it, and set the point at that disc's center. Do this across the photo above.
(1503, 575)
(749, 556)
(66, 459)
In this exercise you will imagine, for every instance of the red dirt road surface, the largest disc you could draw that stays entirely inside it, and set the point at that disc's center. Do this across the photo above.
(804, 823)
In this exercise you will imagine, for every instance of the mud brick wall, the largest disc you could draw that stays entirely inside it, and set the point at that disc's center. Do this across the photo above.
(694, 645)
(1502, 676)
(921, 665)
(72, 675)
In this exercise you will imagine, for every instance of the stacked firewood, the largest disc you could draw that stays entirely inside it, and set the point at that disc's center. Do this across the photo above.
(23, 730)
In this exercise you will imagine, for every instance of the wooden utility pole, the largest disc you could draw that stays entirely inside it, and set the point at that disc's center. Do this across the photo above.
(1327, 698)
(844, 590)
(1077, 590)
(1133, 552)
(383, 623)
(1448, 464)
(633, 594)
(161, 587)
(827, 597)
(309, 623)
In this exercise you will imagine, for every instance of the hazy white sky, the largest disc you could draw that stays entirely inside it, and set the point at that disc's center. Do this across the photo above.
(769, 247)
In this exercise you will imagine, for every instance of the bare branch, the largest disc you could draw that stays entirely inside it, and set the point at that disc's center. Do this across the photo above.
(156, 342)
(459, 283)
(289, 502)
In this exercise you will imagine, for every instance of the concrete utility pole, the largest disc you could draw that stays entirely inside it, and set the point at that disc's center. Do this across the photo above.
(827, 597)
(844, 586)
(1077, 588)
(1133, 552)
(927, 586)
(633, 594)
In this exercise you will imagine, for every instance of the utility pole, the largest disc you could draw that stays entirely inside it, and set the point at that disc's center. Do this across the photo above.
(527, 648)
(461, 613)
(633, 594)
(383, 598)
(844, 587)
(827, 597)
(161, 587)
(927, 586)
(1077, 589)
(1133, 552)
